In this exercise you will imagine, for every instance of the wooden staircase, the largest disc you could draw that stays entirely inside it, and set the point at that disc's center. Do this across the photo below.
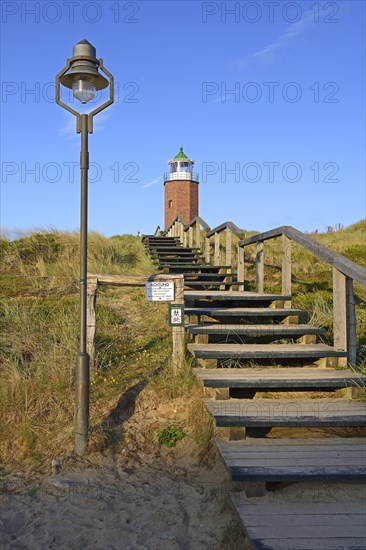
(169, 256)
(252, 347)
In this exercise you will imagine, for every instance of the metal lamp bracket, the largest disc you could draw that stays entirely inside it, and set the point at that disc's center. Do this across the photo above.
(97, 109)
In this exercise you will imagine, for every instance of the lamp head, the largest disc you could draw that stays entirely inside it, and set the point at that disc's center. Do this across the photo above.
(83, 76)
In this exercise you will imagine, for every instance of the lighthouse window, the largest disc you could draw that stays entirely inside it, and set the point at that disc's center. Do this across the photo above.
(170, 204)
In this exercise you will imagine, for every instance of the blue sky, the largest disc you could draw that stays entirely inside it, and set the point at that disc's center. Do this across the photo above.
(266, 97)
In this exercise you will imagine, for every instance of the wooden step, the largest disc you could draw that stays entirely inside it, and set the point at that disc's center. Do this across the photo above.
(234, 295)
(161, 240)
(207, 284)
(293, 525)
(177, 249)
(278, 460)
(183, 254)
(287, 413)
(282, 331)
(203, 267)
(263, 351)
(291, 378)
(173, 261)
(210, 275)
(243, 312)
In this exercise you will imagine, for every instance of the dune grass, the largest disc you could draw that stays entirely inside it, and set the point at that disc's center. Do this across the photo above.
(39, 338)
(39, 334)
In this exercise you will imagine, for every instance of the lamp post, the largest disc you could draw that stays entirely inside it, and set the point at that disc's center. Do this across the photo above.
(82, 76)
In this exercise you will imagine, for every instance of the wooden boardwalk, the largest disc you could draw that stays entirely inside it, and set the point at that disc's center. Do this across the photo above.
(249, 342)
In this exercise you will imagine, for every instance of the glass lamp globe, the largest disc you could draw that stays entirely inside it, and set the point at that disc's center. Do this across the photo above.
(84, 91)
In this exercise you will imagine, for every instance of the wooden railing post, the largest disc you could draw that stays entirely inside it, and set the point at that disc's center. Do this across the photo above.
(91, 320)
(207, 249)
(198, 235)
(217, 249)
(178, 333)
(259, 275)
(339, 314)
(351, 323)
(241, 266)
(190, 236)
(181, 232)
(185, 238)
(228, 251)
(286, 266)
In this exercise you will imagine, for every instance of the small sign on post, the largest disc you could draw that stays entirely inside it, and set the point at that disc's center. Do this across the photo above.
(176, 315)
(159, 291)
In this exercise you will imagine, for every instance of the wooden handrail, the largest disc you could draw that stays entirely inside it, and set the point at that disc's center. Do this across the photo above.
(344, 273)
(177, 219)
(226, 225)
(336, 260)
(199, 220)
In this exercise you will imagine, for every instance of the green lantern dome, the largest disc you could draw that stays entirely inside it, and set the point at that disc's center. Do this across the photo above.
(181, 154)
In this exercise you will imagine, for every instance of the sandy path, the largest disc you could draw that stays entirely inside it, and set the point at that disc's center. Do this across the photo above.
(106, 507)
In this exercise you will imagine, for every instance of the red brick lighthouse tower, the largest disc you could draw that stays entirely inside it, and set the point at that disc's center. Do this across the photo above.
(181, 190)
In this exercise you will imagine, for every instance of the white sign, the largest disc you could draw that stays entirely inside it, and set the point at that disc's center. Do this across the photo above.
(176, 316)
(159, 291)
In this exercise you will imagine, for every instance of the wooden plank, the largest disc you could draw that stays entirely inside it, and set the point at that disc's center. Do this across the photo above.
(287, 413)
(207, 249)
(234, 228)
(263, 351)
(91, 297)
(351, 323)
(241, 266)
(244, 311)
(286, 265)
(266, 378)
(339, 311)
(254, 330)
(302, 526)
(295, 459)
(228, 251)
(259, 273)
(203, 267)
(197, 235)
(190, 236)
(235, 295)
(217, 249)
(178, 333)
(273, 233)
(181, 231)
(207, 277)
(131, 280)
(200, 222)
(203, 283)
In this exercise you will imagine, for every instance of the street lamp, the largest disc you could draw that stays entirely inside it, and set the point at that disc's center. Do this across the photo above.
(82, 76)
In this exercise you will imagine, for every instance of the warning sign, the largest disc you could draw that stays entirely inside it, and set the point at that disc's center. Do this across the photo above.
(160, 291)
(176, 315)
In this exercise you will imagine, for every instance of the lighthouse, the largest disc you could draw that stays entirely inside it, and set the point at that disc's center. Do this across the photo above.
(180, 190)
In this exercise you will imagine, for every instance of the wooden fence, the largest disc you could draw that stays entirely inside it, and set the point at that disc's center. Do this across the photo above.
(345, 272)
(94, 280)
